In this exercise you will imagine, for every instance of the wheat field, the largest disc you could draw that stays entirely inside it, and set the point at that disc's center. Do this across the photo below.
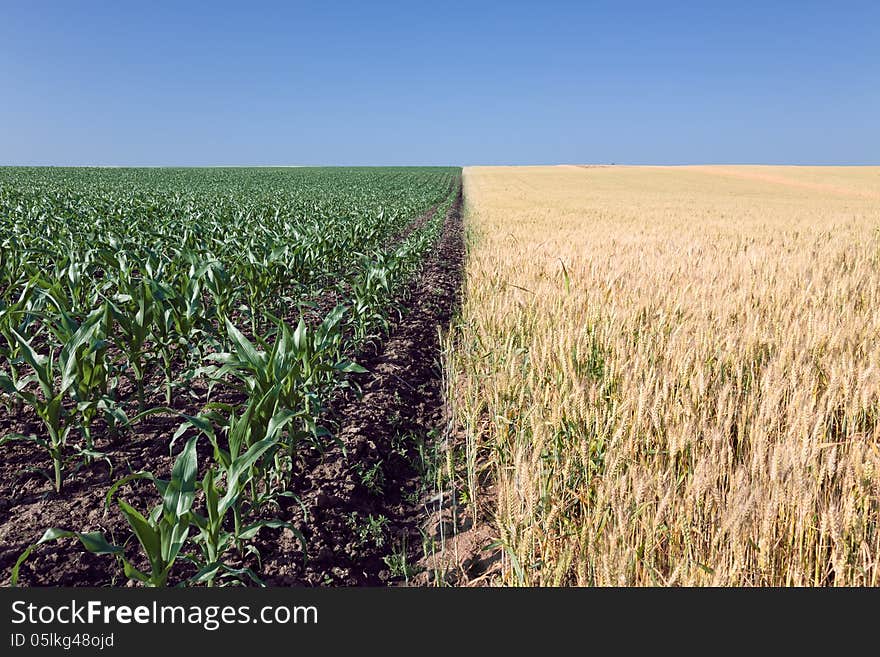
(671, 375)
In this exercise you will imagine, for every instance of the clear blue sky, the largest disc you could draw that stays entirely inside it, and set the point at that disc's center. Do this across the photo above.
(189, 83)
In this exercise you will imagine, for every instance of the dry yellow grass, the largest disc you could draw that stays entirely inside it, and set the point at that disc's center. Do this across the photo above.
(673, 374)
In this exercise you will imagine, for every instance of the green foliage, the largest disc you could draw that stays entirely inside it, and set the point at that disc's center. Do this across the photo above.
(161, 534)
(109, 277)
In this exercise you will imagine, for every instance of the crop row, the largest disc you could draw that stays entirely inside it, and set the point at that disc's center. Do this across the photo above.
(261, 284)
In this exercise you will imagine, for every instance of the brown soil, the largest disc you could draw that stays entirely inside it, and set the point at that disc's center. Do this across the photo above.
(355, 507)
(462, 550)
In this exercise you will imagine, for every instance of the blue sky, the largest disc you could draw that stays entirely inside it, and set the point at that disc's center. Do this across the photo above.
(259, 83)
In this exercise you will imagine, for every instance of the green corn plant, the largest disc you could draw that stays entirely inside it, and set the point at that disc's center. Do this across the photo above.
(77, 283)
(162, 533)
(293, 373)
(55, 378)
(258, 277)
(238, 472)
(369, 294)
(10, 353)
(220, 286)
(187, 309)
(93, 371)
(251, 440)
(134, 331)
(163, 332)
(232, 484)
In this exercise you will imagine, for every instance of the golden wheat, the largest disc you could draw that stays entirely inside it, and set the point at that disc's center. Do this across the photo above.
(673, 374)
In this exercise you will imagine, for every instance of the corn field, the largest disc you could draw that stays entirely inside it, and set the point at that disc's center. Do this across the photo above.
(229, 303)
